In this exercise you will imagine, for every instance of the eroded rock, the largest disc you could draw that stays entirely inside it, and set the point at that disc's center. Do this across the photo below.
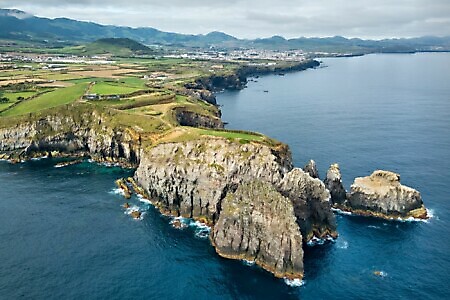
(333, 183)
(312, 204)
(258, 224)
(382, 195)
(311, 169)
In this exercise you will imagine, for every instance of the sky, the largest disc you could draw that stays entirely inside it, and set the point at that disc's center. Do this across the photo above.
(373, 19)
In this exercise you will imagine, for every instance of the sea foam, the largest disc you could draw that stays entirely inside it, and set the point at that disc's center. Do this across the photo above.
(201, 230)
(117, 191)
(314, 241)
(248, 262)
(294, 282)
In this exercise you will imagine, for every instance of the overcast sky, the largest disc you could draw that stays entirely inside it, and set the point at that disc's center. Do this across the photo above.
(258, 18)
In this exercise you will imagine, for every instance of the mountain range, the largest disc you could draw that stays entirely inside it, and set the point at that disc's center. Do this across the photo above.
(16, 25)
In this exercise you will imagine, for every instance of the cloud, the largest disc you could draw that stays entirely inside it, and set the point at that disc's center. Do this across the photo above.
(259, 18)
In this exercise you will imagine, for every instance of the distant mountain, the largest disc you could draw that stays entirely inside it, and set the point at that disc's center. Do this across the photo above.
(113, 46)
(19, 26)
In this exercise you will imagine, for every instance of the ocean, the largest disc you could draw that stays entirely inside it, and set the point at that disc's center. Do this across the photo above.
(64, 233)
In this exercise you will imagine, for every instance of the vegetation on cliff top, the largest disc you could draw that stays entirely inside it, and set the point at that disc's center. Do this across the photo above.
(147, 95)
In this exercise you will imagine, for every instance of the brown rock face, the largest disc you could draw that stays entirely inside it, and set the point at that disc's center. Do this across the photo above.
(382, 195)
(333, 182)
(258, 224)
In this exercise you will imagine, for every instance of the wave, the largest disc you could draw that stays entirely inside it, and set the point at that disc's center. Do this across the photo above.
(144, 200)
(248, 262)
(132, 208)
(314, 241)
(380, 273)
(117, 191)
(430, 214)
(179, 222)
(294, 282)
(374, 226)
(341, 212)
(201, 230)
(135, 208)
(39, 158)
(341, 244)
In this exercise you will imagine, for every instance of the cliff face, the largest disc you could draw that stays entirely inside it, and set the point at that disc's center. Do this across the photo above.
(192, 178)
(71, 134)
(312, 204)
(190, 118)
(249, 193)
(257, 224)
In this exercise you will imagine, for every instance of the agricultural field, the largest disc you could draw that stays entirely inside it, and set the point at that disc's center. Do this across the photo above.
(144, 93)
(48, 100)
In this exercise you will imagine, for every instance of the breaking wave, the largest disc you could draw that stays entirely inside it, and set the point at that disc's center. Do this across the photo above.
(294, 282)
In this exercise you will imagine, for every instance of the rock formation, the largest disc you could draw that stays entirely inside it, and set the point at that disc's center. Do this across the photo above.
(194, 178)
(312, 204)
(382, 195)
(311, 169)
(258, 224)
(333, 182)
(73, 133)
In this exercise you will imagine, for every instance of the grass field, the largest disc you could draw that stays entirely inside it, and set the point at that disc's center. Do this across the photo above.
(232, 134)
(48, 100)
(107, 88)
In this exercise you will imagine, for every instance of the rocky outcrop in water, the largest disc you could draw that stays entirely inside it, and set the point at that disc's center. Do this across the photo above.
(333, 182)
(257, 224)
(311, 169)
(198, 179)
(192, 178)
(382, 195)
(312, 204)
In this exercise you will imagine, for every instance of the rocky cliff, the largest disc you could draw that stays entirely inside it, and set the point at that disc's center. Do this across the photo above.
(204, 178)
(257, 224)
(382, 195)
(74, 132)
(190, 118)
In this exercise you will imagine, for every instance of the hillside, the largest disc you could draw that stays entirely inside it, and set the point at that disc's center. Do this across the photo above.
(113, 46)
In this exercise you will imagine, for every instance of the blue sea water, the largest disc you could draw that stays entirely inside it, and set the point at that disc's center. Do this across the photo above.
(64, 234)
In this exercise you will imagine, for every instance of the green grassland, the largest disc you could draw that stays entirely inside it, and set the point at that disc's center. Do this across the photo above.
(48, 100)
(107, 88)
(149, 104)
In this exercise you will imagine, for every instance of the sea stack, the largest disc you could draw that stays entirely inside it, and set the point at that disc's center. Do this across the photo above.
(333, 183)
(382, 195)
(311, 169)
